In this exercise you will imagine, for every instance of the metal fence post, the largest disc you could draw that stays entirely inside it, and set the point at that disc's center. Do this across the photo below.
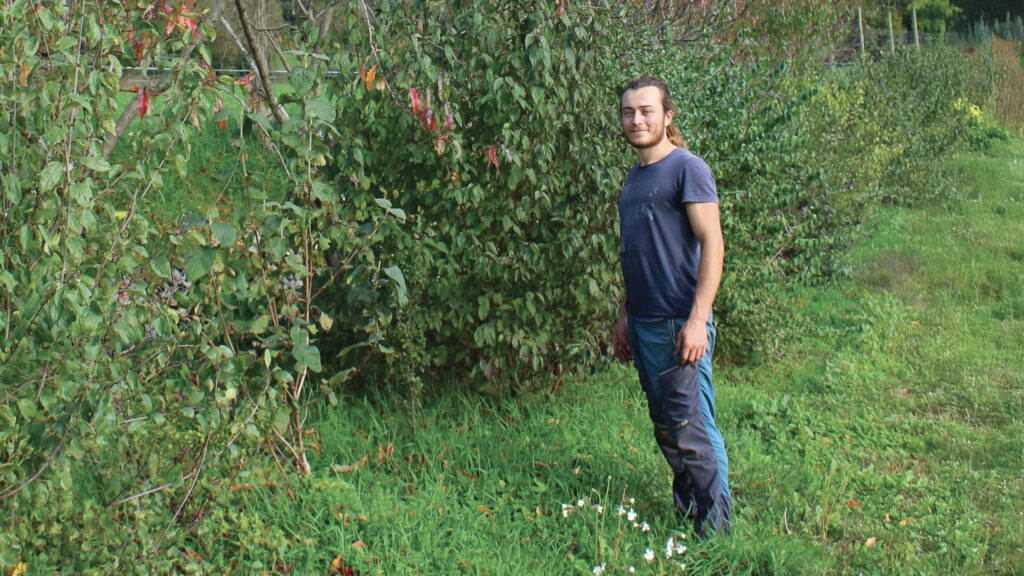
(917, 42)
(892, 41)
(860, 26)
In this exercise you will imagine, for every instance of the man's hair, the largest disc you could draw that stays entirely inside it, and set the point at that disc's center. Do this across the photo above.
(673, 134)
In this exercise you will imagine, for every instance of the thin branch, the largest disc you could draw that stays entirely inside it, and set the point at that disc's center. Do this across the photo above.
(11, 491)
(188, 495)
(277, 48)
(238, 41)
(140, 495)
(261, 64)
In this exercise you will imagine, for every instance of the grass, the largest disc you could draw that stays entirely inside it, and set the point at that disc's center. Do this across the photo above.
(881, 436)
(212, 158)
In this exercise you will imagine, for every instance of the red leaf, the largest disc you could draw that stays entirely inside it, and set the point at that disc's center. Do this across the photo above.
(247, 80)
(414, 97)
(423, 119)
(449, 118)
(492, 157)
(431, 121)
(143, 102)
(217, 108)
(561, 9)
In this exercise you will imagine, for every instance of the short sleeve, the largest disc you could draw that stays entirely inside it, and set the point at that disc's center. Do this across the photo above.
(698, 184)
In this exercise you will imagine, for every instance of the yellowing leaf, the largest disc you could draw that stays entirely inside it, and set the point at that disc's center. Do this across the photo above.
(370, 75)
(851, 504)
(906, 521)
(870, 542)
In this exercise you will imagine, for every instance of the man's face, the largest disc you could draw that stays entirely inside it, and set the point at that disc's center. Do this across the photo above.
(643, 117)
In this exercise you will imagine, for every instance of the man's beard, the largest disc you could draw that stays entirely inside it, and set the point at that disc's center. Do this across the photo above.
(651, 140)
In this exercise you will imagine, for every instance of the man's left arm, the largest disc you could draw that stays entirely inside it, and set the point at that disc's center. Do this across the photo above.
(707, 228)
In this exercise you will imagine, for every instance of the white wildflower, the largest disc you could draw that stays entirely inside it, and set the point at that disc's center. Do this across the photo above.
(669, 546)
(631, 516)
(645, 527)
(620, 511)
(649, 555)
(565, 513)
(682, 566)
(680, 549)
(598, 508)
(599, 569)
(630, 569)
(580, 503)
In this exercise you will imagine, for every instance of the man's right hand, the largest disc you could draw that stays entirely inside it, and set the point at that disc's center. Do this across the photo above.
(620, 339)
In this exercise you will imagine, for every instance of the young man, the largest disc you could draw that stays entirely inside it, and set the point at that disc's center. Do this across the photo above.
(672, 253)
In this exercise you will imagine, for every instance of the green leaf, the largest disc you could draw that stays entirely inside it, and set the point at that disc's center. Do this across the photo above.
(320, 107)
(395, 273)
(161, 266)
(96, 164)
(81, 192)
(51, 176)
(8, 279)
(302, 80)
(224, 233)
(199, 264)
(307, 355)
(260, 324)
(326, 322)
(261, 120)
(27, 408)
(386, 205)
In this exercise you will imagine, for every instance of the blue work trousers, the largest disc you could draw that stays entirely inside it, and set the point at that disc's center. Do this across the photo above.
(681, 401)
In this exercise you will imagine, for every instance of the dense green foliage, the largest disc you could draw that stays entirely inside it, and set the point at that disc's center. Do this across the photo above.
(440, 208)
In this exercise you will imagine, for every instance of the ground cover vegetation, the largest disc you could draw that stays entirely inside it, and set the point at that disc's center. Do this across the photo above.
(864, 443)
(190, 279)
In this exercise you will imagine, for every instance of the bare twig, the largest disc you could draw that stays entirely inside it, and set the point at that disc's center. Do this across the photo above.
(188, 495)
(238, 41)
(261, 63)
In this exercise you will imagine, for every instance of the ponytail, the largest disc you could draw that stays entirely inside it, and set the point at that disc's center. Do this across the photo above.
(675, 137)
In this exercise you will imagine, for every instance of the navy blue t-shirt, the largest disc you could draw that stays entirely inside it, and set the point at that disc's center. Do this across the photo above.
(659, 251)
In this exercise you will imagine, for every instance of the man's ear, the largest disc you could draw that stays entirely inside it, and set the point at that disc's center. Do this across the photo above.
(668, 118)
